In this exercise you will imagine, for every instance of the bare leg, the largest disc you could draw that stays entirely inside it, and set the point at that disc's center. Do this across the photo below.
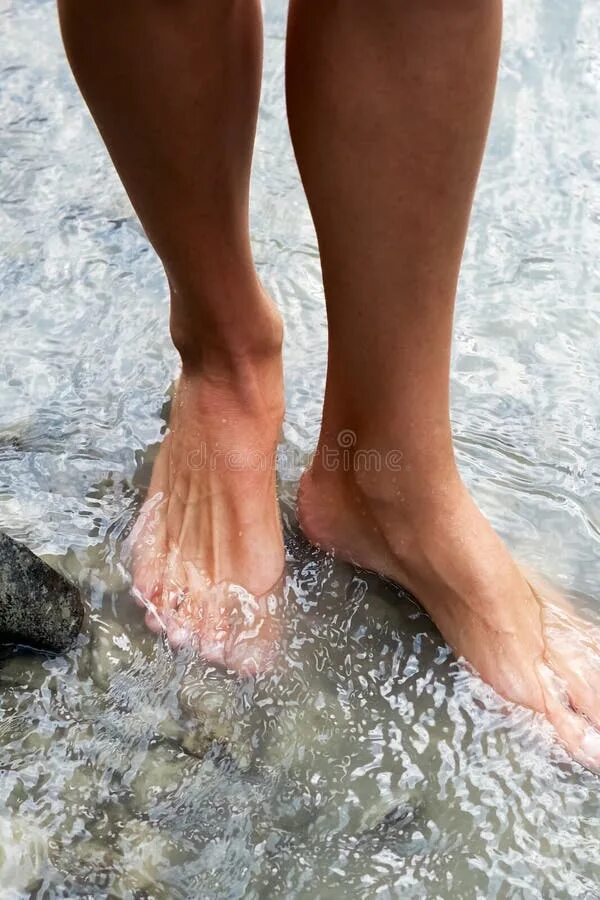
(174, 90)
(389, 106)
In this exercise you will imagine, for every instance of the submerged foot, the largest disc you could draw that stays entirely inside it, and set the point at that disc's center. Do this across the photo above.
(527, 644)
(207, 548)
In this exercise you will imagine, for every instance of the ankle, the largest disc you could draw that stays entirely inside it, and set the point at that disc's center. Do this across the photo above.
(383, 479)
(229, 335)
(243, 385)
(382, 520)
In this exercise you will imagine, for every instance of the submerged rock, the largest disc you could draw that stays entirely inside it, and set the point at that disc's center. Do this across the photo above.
(389, 825)
(38, 607)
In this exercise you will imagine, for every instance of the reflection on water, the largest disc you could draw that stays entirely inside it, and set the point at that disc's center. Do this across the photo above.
(367, 764)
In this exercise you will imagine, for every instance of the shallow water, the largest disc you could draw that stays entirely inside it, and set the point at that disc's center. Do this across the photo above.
(367, 764)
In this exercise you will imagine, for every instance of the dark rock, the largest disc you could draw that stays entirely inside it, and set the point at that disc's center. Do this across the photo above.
(391, 828)
(38, 607)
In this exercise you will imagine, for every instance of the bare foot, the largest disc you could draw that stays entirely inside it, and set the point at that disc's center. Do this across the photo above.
(207, 548)
(529, 646)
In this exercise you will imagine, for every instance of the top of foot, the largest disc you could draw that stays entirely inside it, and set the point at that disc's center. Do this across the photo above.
(207, 548)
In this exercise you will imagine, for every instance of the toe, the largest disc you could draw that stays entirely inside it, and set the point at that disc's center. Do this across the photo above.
(584, 692)
(212, 649)
(574, 653)
(173, 587)
(577, 735)
(178, 633)
(571, 679)
(147, 583)
(251, 658)
(579, 738)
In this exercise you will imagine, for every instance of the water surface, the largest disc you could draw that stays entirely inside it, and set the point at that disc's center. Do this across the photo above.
(368, 764)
